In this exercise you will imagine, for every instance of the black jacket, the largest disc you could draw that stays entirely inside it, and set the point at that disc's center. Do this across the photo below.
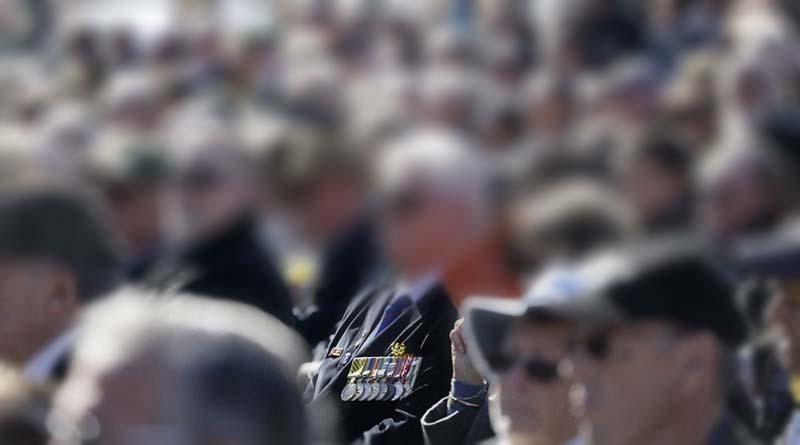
(232, 265)
(424, 330)
(346, 268)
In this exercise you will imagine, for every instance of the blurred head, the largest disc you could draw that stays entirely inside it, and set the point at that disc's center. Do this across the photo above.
(549, 106)
(655, 175)
(689, 102)
(319, 179)
(432, 197)
(215, 182)
(520, 347)
(55, 256)
(652, 349)
(132, 100)
(631, 91)
(565, 221)
(23, 410)
(533, 399)
(130, 173)
(742, 192)
(649, 376)
(182, 371)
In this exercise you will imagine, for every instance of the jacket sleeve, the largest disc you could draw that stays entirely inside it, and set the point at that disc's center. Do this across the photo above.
(440, 428)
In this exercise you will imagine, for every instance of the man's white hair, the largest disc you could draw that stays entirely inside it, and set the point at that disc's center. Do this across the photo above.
(440, 161)
(116, 327)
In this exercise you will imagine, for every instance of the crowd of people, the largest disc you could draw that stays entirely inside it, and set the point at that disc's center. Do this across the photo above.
(544, 222)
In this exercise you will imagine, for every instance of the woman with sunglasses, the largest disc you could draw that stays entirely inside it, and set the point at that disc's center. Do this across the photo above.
(530, 401)
(527, 397)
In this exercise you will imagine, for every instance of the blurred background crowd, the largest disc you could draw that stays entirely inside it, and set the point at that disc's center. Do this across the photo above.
(292, 160)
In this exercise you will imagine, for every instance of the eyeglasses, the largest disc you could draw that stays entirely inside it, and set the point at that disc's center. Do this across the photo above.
(596, 344)
(402, 203)
(536, 369)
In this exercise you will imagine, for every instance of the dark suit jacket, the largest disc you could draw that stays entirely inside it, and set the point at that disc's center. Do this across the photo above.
(346, 268)
(467, 426)
(232, 265)
(424, 329)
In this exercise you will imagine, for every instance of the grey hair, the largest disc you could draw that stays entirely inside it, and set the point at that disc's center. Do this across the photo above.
(231, 369)
(440, 159)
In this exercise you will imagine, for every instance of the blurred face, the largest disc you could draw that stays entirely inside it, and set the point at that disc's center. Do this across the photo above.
(422, 229)
(124, 404)
(630, 375)
(212, 190)
(136, 214)
(735, 205)
(326, 208)
(36, 304)
(653, 191)
(533, 399)
(785, 312)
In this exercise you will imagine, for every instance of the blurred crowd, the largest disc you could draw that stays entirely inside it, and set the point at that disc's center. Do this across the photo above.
(547, 222)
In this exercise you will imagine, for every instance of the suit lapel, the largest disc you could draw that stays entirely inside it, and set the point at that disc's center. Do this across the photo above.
(378, 344)
(368, 319)
(406, 321)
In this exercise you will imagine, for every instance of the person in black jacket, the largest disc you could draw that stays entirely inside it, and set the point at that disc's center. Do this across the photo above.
(319, 182)
(220, 253)
(389, 359)
(566, 220)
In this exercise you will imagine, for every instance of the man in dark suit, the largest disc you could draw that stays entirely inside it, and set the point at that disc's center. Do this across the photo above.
(569, 220)
(56, 256)
(389, 359)
(220, 253)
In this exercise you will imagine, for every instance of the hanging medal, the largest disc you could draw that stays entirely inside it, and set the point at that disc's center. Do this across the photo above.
(350, 389)
(411, 376)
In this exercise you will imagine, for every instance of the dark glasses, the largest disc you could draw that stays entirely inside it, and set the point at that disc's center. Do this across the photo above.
(595, 344)
(402, 203)
(541, 370)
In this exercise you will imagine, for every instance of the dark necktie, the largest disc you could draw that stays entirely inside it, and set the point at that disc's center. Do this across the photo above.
(392, 311)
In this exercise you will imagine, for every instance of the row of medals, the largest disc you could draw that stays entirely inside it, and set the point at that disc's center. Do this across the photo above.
(380, 378)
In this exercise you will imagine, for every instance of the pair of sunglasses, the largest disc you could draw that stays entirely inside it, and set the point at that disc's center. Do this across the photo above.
(536, 369)
(402, 202)
(596, 344)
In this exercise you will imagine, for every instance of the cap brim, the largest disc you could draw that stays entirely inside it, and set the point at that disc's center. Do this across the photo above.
(486, 323)
(590, 311)
(781, 262)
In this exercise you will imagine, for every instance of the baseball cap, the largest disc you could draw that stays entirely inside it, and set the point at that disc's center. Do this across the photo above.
(773, 255)
(487, 319)
(675, 282)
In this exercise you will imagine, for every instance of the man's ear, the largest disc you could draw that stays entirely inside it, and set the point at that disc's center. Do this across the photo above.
(62, 293)
(698, 357)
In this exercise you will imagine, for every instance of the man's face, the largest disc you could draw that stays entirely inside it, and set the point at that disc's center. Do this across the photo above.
(326, 207)
(735, 204)
(535, 403)
(420, 228)
(653, 191)
(136, 211)
(211, 192)
(30, 315)
(629, 374)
